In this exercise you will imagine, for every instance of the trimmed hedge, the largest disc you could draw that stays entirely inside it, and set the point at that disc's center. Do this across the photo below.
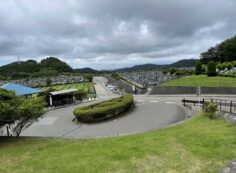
(104, 110)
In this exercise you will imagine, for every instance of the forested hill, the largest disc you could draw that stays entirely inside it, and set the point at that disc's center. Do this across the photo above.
(223, 52)
(48, 66)
(85, 70)
(52, 66)
(146, 67)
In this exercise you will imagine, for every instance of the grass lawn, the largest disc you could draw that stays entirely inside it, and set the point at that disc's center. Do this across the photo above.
(87, 86)
(199, 145)
(203, 80)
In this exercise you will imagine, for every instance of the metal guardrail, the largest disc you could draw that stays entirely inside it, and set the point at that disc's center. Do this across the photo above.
(225, 105)
(228, 106)
(193, 101)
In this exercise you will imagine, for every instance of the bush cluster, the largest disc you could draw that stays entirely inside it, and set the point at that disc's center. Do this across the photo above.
(211, 68)
(228, 65)
(210, 109)
(104, 110)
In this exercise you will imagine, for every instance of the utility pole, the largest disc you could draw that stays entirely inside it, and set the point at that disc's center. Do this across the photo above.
(18, 59)
(199, 95)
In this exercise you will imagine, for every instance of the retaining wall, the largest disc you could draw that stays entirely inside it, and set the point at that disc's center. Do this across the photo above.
(159, 90)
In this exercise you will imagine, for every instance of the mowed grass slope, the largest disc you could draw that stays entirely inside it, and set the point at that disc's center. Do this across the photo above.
(199, 145)
(203, 80)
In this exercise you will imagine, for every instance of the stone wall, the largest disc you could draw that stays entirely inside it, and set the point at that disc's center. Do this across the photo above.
(159, 90)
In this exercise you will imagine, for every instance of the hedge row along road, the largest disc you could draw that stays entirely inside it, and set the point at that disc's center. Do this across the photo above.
(104, 110)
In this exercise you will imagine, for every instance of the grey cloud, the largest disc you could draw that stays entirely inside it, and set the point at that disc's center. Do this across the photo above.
(82, 32)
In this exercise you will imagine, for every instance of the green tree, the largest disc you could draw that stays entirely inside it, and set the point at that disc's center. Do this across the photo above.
(6, 106)
(204, 69)
(172, 71)
(19, 112)
(48, 81)
(26, 113)
(198, 68)
(88, 77)
(211, 55)
(211, 68)
(223, 52)
(116, 76)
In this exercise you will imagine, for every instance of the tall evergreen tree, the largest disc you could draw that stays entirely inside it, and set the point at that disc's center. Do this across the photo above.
(211, 68)
(198, 68)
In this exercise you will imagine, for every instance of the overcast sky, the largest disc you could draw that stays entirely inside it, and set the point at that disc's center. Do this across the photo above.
(108, 34)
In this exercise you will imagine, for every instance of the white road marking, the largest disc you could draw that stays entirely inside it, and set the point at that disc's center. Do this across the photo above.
(154, 101)
(170, 102)
(140, 100)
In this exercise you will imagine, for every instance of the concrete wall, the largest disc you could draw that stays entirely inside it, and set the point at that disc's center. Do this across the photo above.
(122, 85)
(159, 90)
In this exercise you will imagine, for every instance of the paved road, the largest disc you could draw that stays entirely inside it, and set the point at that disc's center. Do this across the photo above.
(150, 112)
(102, 91)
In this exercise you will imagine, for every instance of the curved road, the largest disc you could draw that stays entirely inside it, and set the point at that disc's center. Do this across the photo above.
(150, 112)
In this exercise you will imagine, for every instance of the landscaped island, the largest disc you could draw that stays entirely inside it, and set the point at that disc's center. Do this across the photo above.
(104, 110)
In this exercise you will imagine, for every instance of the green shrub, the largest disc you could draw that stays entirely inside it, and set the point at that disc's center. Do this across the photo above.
(219, 66)
(203, 69)
(172, 71)
(224, 65)
(104, 110)
(229, 65)
(234, 63)
(116, 76)
(210, 109)
(80, 94)
(211, 68)
(198, 68)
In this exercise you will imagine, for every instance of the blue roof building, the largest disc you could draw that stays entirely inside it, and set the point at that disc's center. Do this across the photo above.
(20, 90)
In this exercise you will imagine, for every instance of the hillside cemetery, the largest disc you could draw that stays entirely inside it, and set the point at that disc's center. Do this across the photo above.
(149, 78)
(45, 81)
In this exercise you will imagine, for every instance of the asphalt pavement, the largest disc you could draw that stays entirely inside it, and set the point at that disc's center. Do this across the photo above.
(150, 112)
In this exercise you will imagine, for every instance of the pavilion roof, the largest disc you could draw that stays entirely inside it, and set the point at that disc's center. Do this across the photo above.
(20, 90)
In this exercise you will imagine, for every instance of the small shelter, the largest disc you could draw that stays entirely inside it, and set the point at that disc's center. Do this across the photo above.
(20, 90)
(62, 97)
